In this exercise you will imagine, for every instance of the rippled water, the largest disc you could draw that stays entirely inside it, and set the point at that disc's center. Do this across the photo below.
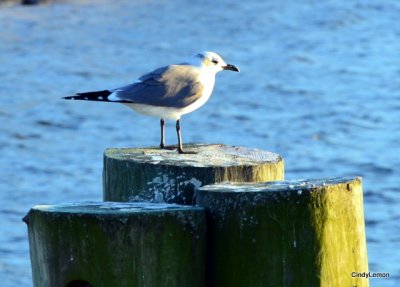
(319, 85)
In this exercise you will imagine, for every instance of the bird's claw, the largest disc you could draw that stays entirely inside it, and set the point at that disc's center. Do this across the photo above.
(181, 151)
(171, 147)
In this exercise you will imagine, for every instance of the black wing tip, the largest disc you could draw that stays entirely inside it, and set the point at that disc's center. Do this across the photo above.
(90, 96)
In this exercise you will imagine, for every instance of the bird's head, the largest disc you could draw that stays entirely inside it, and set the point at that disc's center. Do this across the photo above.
(212, 61)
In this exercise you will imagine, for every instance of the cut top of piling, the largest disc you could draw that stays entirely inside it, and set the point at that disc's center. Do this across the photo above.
(297, 185)
(205, 155)
(113, 208)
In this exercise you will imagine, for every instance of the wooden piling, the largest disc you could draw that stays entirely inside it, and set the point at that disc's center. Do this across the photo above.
(110, 244)
(154, 174)
(290, 233)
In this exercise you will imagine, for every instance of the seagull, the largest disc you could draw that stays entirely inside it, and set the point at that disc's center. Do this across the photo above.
(167, 92)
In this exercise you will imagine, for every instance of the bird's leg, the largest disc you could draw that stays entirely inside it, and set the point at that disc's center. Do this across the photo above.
(178, 132)
(162, 143)
(162, 124)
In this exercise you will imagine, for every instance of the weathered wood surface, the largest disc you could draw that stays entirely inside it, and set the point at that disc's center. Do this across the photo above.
(110, 244)
(153, 174)
(289, 233)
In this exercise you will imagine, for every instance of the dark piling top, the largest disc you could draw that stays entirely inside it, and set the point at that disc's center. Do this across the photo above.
(118, 208)
(154, 174)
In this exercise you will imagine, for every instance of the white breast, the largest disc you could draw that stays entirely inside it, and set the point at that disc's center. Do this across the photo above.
(208, 80)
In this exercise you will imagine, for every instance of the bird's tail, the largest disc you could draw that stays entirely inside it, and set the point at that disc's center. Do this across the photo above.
(101, 96)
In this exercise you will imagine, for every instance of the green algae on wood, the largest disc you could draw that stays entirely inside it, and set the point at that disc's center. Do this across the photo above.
(286, 233)
(117, 244)
(154, 174)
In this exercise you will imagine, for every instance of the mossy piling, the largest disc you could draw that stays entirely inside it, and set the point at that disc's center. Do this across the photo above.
(302, 233)
(221, 217)
(114, 244)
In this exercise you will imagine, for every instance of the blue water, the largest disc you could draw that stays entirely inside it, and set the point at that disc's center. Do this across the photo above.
(319, 84)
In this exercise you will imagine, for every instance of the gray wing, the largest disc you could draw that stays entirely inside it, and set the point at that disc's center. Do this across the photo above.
(171, 86)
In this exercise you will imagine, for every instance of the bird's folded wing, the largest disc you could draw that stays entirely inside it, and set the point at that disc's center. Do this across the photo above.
(174, 86)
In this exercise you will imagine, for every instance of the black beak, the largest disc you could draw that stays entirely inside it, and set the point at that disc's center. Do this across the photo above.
(231, 68)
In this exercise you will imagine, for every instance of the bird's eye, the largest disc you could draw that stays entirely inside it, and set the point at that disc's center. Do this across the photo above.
(215, 61)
